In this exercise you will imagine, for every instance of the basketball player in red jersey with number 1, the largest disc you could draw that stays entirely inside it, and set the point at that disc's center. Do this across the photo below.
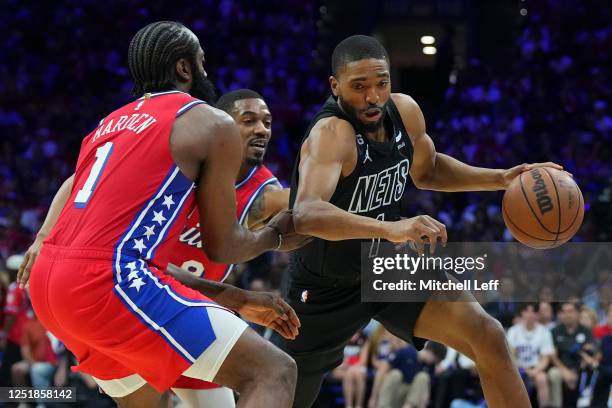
(98, 283)
(259, 196)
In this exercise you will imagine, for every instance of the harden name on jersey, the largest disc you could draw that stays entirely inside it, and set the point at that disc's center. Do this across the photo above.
(137, 122)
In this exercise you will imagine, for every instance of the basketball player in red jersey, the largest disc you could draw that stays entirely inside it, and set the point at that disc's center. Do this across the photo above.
(98, 283)
(259, 196)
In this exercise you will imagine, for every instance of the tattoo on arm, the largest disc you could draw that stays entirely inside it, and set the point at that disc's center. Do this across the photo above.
(258, 214)
(257, 210)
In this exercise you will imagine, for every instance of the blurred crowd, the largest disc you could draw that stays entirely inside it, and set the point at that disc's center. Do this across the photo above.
(563, 351)
(550, 101)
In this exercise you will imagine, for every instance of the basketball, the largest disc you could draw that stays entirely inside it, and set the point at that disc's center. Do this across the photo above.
(543, 208)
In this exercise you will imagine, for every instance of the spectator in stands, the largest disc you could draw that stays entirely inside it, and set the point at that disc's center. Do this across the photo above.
(605, 329)
(458, 385)
(407, 382)
(16, 315)
(39, 360)
(569, 337)
(353, 370)
(533, 348)
(466, 390)
(588, 317)
(87, 393)
(383, 345)
(601, 390)
(589, 364)
(546, 315)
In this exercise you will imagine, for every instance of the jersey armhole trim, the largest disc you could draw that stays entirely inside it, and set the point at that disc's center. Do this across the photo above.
(405, 134)
(253, 197)
(245, 213)
(188, 106)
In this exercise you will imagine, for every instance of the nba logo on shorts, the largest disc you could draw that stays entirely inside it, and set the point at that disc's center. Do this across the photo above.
(304, 296)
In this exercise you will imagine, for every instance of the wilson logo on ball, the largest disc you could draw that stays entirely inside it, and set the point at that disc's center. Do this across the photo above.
(539, 188)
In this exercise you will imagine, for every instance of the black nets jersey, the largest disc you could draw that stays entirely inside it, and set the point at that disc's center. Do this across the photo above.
(374, 189)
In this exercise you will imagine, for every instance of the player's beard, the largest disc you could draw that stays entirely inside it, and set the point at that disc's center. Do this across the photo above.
(363, 128)
(203, 89)
(254, 161)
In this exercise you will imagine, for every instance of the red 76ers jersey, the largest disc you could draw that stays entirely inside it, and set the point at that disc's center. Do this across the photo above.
(128, 195)
(188, 252)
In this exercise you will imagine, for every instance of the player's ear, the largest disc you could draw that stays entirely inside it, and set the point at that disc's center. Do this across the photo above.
(333, 82)
(183, 70)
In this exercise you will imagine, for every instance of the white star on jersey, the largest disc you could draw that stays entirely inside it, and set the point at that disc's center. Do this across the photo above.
(133, 275)
(137, 283)
(139, 245)
(159, 217)
(150, 231)
(131, 266)
(168, 202)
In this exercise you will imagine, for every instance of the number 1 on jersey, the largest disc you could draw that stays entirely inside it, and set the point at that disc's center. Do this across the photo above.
(376, 241)
(102, 155)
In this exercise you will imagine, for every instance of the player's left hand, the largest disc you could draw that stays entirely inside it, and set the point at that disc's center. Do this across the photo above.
(270, 310)
(263, 308)
(512, 173)
(23, 274)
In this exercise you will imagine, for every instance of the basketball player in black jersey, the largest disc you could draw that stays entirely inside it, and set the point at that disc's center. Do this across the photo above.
(350, 174)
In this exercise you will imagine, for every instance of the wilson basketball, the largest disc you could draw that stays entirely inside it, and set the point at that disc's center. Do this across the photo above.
(543, 208)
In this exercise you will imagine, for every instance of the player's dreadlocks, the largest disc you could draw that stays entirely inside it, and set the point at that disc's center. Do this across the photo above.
(153, 52)
(355, 48)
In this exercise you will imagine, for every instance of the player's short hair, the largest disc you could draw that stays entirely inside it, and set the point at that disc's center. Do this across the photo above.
(355, 48)
(226, 102)
(153, 53)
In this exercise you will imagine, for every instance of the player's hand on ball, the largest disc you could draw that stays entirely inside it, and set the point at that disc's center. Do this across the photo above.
(270, 310)
(283, 224)
(421, 229)
(23, 274)
(512, 173)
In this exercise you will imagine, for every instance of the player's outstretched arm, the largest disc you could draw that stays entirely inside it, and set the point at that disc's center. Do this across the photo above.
(57, 205)
(206, 146)
(328, 154)
(273, 200)
(264, 308)
(437, 171)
